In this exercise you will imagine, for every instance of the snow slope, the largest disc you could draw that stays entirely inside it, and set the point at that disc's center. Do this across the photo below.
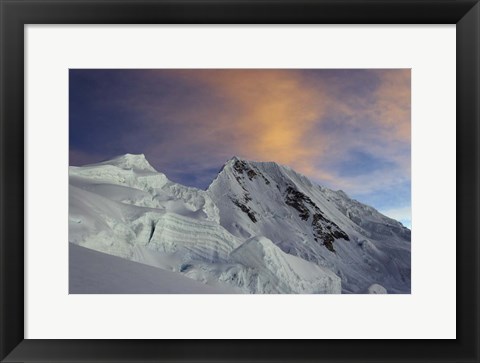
(92, 272)
(319, 225)
(282, 273)
(123, 207)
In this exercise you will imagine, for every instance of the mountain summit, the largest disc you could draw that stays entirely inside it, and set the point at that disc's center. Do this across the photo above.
(130, 161)
(317, 224)
(259, 228)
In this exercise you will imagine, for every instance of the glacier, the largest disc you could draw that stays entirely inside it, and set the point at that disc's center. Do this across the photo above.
(260, 227)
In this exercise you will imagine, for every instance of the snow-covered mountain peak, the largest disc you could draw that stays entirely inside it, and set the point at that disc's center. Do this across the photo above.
(130, 161)
(128, 170)
(240, 176)
(260, 227)
(239, 165)
(312, 222)
(234, 160)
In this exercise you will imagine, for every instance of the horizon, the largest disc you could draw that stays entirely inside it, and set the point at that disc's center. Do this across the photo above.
(221, 169)
(343, 129)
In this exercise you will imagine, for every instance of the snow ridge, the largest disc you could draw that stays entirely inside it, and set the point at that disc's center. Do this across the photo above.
(259, 228)
(314, 223)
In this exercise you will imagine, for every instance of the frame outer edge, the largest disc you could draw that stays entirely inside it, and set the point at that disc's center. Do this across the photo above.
(468, 180)
(3, 327)
(11, 179)
(11, 171)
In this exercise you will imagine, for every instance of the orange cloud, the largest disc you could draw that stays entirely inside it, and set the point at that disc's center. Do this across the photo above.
(393, 105)
(276, 115)
(379, 123)
(276, 111)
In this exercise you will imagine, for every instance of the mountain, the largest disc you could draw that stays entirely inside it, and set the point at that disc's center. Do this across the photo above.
(317, 224)
(259, 228)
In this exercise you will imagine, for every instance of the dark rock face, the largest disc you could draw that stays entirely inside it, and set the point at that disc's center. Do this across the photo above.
(251, 174)
(243, 206)
(297, 200)
(328, 231)
(323, 229)
(241, 167)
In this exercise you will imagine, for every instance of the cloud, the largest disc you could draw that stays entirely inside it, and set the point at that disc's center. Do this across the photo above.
(189, 122)
(273, 111)
(393, 104)
(209, 115)
(373, 121)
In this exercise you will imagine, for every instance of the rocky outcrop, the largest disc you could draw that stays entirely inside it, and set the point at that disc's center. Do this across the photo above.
(324, 230)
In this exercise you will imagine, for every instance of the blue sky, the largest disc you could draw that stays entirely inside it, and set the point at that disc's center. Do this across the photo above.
(345, 129)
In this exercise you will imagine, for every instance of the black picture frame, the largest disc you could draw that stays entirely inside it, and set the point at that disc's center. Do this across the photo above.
(15, 14)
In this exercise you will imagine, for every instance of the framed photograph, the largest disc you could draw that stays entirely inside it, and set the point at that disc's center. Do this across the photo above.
(232, 224)
(239, 181)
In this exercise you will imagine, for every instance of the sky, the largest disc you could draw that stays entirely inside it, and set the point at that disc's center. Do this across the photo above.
(345, 129)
